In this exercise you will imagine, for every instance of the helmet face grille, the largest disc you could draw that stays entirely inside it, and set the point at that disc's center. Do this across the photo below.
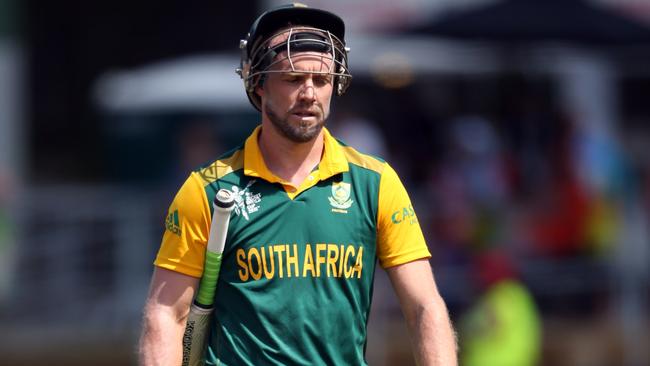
(267, 54)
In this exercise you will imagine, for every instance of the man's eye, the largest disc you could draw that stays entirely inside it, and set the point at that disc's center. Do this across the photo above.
(292, 80)
(322, 80)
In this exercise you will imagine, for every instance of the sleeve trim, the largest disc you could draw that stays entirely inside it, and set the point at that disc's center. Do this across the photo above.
(405, 258)
(178, 267)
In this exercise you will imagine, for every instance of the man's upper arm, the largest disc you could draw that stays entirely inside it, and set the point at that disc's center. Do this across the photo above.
(171, 291)
(414, 284)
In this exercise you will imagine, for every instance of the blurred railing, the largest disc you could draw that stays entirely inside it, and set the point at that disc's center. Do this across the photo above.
(84, 256)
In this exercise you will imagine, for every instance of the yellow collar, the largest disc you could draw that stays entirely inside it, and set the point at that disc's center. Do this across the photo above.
(333, 161)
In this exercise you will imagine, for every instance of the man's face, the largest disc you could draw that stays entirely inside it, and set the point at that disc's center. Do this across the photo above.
(297, 102)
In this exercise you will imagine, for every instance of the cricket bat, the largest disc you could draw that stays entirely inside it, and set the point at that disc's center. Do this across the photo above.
(198, 320)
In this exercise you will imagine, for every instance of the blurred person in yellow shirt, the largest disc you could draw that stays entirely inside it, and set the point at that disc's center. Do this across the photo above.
(503, 327)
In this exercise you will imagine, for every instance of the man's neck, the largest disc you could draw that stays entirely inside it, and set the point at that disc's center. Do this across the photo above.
(289, 160)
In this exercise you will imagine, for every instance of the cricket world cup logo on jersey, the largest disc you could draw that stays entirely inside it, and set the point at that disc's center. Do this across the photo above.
(246, 202)
(340, 198)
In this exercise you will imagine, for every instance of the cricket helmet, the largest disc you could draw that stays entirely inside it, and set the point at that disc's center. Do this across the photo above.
(301, 29)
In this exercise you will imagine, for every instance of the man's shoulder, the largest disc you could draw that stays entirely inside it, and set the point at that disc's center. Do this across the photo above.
(363, 160)
(228, 162)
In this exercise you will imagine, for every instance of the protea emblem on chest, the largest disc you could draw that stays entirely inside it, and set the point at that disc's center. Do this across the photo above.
(340, 195)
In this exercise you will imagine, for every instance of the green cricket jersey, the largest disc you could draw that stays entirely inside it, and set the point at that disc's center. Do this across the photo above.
(295, 286)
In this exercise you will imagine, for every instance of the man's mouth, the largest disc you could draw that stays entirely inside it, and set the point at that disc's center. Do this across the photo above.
(304, 113)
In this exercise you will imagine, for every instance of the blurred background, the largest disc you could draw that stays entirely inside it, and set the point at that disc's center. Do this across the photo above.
(521, 129)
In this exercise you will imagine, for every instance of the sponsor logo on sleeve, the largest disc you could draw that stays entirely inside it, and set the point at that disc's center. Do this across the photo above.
(404, 214)
(172, 223)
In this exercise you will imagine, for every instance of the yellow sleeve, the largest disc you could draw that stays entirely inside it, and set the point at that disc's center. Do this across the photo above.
(399, 237)
(187, 228)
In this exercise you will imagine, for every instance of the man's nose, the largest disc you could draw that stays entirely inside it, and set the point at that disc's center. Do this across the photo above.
(307, 92)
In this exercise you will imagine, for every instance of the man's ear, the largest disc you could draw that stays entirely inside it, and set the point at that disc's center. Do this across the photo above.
(259, 86)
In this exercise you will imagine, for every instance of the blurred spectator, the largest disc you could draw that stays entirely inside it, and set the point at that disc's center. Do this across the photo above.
(558, 203)
(503, 327)
(452, 216)
(475, 148)
(558, 218)
(605, 172)
(572, 211)
(469, 190)
(7, 243)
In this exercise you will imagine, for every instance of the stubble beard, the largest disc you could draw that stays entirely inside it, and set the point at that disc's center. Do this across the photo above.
(301, 133)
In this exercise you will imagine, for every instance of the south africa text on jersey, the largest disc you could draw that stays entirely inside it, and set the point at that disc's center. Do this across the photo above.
(285, 261)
